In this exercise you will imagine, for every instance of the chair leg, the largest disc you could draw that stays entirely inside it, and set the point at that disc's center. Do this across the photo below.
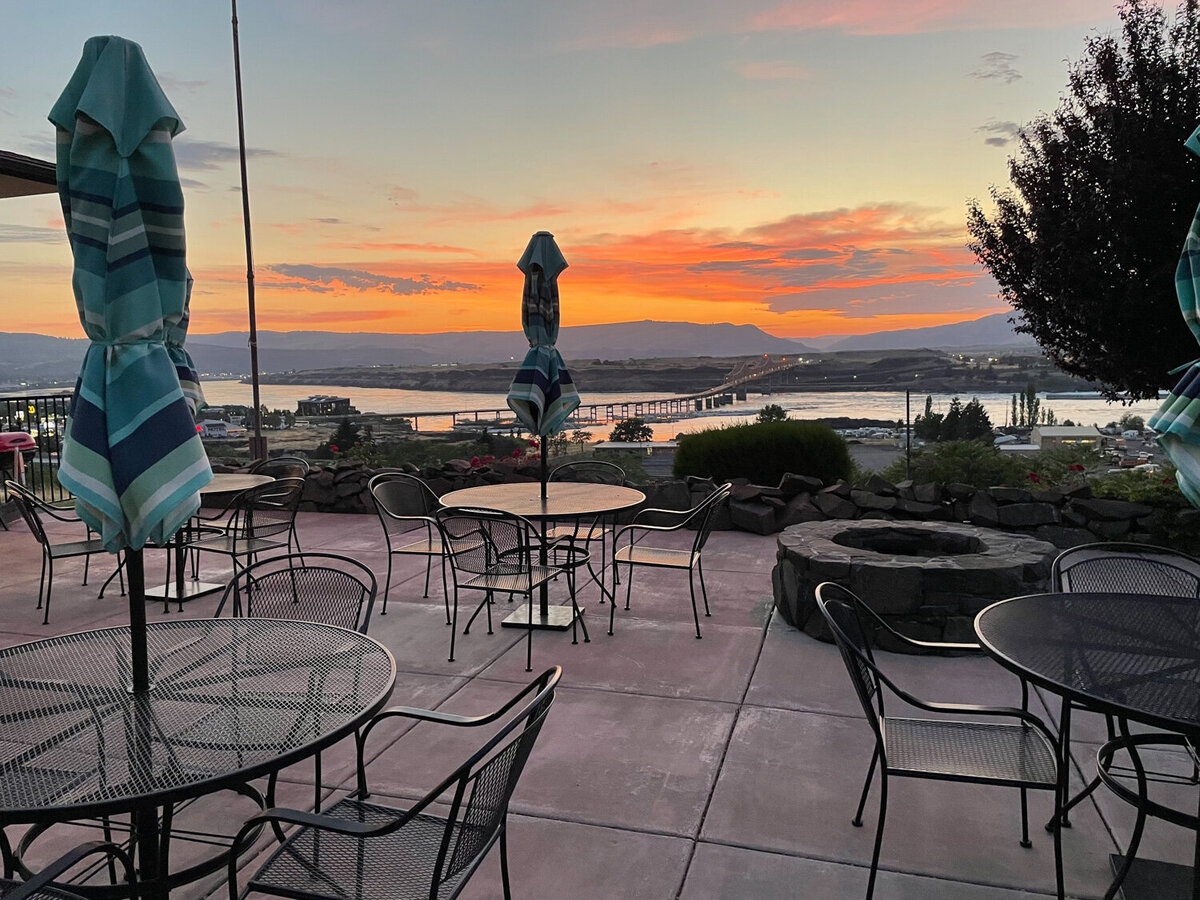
(454, 623)
(48, 564)
(695, 614)
(1061, 803)
(628, 584)
(703, 592)
(428, 567)
(1025, 842)
(1139, 824)
(42, 583)
(504, 862)
(878, 833)
(445, 591)
(528, 637)
(87, 562)
(387, 585)
(862, 800)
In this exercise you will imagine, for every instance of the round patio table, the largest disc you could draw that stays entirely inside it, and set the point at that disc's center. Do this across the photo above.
(230, 700)
(1134, 656)
(564, 500)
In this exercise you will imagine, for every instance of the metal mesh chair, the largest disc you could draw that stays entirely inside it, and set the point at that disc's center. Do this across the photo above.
(1020, 755)
(596, 529)
(262, 519)
(42, 886)
(313, 587)
(32, 509)
(1119, 567)
(498, 553)
(634, 554)
(283, 467)
(406, 507)
(363, 849)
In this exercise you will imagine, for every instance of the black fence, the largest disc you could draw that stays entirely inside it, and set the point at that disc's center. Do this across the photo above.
(44, 418)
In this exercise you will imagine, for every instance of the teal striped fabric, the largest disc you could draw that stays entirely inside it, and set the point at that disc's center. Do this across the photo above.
(132, 456)
(542, 394)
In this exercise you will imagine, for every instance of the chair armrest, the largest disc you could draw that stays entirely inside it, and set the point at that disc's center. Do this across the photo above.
(66, 862)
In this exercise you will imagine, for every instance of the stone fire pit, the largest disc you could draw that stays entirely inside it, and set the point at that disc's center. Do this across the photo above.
(927, 579)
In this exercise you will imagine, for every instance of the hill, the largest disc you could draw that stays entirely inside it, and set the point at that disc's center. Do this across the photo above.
(989, 331)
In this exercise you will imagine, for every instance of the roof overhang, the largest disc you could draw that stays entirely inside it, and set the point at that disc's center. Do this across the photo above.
(21, 176)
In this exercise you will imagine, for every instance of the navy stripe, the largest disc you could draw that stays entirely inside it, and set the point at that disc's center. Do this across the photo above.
(89, 426)
(131, 258)
(143, 205)
(166, 430)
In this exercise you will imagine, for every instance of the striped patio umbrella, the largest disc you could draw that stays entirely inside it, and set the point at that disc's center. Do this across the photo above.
(132, 456)
(1177, 420)
(542, 394)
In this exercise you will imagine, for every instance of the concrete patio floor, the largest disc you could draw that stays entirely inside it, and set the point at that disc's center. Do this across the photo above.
(669, 767)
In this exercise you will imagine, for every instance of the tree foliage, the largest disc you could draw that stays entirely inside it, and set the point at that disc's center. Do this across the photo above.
(961, 422)
(1085, 242)
(772, 412)
(633, 429)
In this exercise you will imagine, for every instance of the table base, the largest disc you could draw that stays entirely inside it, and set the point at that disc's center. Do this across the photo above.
(191, 590)
(557, 618)
(1152, 879)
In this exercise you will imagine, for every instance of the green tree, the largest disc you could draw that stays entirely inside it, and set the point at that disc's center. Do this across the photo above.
(928, 425)
(772, 412)
(580, 438)
(1085, 242)
(346, 436)
(1130, 422)
(976, 423)
(633, 429)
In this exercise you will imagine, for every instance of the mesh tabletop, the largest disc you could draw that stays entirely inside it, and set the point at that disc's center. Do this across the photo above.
(230, 700)
(1133, 655)
(564, 499)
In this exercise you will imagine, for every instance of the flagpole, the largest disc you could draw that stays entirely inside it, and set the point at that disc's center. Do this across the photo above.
(258, 444)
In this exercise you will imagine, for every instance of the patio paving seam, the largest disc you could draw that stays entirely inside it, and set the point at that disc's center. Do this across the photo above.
(741, 704)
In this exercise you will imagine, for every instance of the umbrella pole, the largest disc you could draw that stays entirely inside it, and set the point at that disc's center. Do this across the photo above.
(140, 665)
(258, 444)
(544, 468)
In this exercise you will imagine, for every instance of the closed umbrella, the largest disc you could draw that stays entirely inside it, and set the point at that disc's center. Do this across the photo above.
(132, 456)
(1178, 418)
(542, 394)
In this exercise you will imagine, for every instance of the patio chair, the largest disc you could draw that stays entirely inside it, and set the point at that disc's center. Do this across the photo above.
(1119, 567)
(498, 553)
(43, 886)
(366, 850)
(1021, 754)
(313, 587)
(635, 554)
(598, 528)
(32, 509)
(283, 467)
(406, 508)
(261, 520)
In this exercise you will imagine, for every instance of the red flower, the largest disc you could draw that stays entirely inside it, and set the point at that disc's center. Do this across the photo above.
(516, 454)
(533, 442)
(1075, 467)
(333, 447)
(487, 459)
(1034, 477)
(475, 462)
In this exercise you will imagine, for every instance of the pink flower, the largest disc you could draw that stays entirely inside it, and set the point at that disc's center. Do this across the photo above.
(1034, 477)
(333, 447)
(475, 462)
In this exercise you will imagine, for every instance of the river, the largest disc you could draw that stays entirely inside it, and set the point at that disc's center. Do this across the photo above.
(886, 405)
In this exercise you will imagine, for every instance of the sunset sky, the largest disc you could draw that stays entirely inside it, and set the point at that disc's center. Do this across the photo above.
(800, 165)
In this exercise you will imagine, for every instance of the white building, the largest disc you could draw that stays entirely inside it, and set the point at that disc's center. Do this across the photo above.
(1085, 437)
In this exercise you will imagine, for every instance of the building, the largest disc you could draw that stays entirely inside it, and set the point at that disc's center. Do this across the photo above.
(323, 405)
(1084, 437)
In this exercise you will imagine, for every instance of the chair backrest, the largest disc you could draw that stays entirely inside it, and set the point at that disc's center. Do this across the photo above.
(27, 505)
(1123, 567)
(589, 471)
(704, 514)
(402, 501)
(487, 540)
(310, 587)
(266, 510)
(840, 607)
(482, 787)
(281, 467)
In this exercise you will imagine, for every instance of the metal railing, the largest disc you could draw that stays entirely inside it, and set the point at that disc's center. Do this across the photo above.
(44, 418)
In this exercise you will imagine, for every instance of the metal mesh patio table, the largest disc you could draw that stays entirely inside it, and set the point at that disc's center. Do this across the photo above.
(1134, 656)
(230, 700)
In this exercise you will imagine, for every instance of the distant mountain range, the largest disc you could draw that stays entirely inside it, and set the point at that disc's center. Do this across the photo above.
(34, 356)
(989, 331)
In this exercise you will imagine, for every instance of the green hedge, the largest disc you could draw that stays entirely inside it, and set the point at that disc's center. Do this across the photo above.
(763, 452)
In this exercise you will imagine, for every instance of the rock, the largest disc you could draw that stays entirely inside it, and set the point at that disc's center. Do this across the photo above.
(1109, 510)
(1003, 494)
(838, 489)
(919, 510)
(790, 485)
(1027, 515)
(1046, 495)
(785, 581)
(870, 500)
(1080, 491)
(891, 588)
(877, 484)
(1062, 536)
(835, 507)
(930, 492)
(1110, 530)
(744, 492)
(749, 515)
(798, 509)
(960, 491)
(983, 510)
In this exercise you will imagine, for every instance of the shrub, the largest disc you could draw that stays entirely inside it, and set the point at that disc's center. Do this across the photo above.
(763, 452)
(967, 462)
